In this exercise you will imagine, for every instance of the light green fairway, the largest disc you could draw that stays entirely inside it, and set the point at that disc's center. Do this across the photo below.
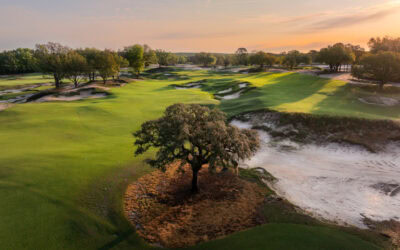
(63, 165)
(35, 78)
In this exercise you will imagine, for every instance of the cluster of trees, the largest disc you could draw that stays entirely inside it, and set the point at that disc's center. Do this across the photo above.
(63, 62)
(381, 63)
(165, 58)
(78, 65)
(339, 54)
(17, 61)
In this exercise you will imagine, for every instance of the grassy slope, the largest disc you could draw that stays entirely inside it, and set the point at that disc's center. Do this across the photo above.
(288, 236)
(24, 79)
(63, 165)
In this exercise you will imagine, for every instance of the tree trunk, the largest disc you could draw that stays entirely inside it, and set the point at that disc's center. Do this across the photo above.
(381, 85)
(57, 81)
(195, 188)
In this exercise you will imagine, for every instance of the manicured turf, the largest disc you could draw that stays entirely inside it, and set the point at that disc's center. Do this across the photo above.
(15, 80)
(289, 236)
(64, 165)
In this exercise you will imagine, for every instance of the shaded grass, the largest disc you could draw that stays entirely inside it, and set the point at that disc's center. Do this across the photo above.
(288, 236)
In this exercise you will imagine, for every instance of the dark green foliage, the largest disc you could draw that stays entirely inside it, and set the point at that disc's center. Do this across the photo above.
(382, 67)
(195, 135)
(17, 61)
(335, 56)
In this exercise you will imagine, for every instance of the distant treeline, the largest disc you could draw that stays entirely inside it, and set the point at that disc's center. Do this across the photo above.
(381, 63)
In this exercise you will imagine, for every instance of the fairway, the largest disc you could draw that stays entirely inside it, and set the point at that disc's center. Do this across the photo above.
(18, 80)
(64, 165)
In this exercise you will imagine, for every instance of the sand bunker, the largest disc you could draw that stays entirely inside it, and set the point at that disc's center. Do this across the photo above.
(191, 85)
(232, 96)
(80, 95)
(225, 91)
(340, 183)
(380, 100)
(243, 85)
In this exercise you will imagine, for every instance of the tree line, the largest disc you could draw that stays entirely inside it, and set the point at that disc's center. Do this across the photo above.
(78, 65)
(335, 56)
(381, 63)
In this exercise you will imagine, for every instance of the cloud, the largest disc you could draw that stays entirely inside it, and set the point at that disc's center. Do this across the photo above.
(356, 17)
(325, 20)
(191, 35)
(279, 19)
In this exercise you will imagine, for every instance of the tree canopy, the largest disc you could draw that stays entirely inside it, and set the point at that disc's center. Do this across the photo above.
(205, 59)
(384, 44)
(195, 135)
(106, 65)
(135, 55)
(335, 56)
(382, 67)
(262, 59)
(242, 56)
(75, 67)
(52, 60)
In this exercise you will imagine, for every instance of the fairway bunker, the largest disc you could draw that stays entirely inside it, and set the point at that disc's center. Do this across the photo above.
(380, 101)
(75, 95)
(231, 96)
(225, 91)
(338, 182)
(190, 85)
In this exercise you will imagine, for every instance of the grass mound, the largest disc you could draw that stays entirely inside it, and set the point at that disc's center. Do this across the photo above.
(164, 211)
(373, 135)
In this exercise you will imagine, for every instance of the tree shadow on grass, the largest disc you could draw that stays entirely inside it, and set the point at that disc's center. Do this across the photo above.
(285, 89)
(104, 198)
(345, 102)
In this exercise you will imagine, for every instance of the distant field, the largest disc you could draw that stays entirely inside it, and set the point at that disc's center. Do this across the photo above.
(64, 165)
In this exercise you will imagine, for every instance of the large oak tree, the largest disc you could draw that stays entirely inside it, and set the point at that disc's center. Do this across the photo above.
(195, 135)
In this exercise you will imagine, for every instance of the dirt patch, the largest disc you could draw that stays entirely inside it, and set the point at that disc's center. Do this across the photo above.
(165, 213)
(4, 106)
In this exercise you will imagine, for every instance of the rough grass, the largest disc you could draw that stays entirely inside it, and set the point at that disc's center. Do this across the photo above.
(64, 166)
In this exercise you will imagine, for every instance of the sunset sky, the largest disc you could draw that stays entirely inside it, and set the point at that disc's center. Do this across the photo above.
(197, 25)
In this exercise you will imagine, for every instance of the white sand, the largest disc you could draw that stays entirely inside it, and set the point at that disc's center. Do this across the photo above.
(233, 96)
(225, 91)
(334, 182)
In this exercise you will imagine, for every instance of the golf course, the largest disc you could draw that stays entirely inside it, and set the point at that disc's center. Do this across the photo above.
(65, 165)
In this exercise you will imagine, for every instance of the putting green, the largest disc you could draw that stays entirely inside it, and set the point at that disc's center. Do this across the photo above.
(64, 165)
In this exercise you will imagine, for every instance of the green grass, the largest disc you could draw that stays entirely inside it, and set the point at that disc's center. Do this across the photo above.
(64, 165)
(288, 236)
(26, 79)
